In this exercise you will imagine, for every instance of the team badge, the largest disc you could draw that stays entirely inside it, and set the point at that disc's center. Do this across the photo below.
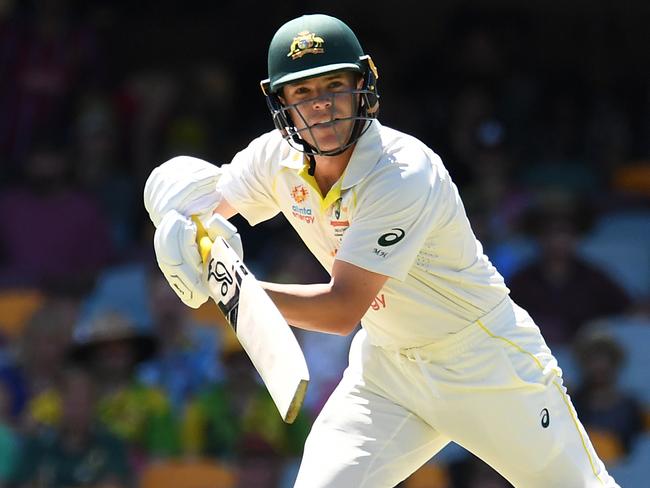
(340, 225)
(299, 193)
(306, 43)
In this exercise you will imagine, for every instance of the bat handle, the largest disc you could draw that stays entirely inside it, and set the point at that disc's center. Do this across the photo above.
(202, 239)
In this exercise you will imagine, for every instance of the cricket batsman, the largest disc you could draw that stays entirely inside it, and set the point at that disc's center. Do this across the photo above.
(443, 353)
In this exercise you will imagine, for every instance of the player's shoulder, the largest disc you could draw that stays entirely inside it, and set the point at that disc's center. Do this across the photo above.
(270, 142)
(407, 161)
(265, 150)
(405, 149)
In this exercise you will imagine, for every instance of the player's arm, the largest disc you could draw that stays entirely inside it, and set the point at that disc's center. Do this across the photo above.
(335, 307)
(225, 209)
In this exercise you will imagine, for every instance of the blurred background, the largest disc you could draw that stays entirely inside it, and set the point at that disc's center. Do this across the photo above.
(540, 110)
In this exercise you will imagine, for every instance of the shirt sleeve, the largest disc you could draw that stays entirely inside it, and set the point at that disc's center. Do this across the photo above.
(397, 209)
(246, 183)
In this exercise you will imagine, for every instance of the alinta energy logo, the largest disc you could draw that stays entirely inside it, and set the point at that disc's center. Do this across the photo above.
(299, 193)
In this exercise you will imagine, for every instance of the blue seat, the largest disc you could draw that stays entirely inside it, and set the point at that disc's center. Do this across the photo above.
(618, 245)
(567, 362)
(634, 472)
(451, 453)
(122, 289)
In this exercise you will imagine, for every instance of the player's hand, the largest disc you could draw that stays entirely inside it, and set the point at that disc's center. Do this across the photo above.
(220, 226)
(185, 184)
(179, 259)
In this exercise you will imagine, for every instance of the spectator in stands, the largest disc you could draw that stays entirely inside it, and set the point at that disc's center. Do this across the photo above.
(46, 53)
(8, 436)
(112, 347)
(493, 199)
(238, 420)
(613, 417)
(100, 167)
(12, 383)
(41, 357)
(187, 360)
(560, 289)
(49, 230)
(212, 424)
(77, 452)
(265, 442)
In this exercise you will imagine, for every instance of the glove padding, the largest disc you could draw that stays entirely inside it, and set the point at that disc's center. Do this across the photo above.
(178, 255)
(185, 184)
(218, 226)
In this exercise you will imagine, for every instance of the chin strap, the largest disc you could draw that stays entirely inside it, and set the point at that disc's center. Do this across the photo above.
(312, 165)
(307, 150)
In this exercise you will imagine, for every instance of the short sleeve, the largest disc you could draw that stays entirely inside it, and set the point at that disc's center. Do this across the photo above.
(396, 210)
(246, 182)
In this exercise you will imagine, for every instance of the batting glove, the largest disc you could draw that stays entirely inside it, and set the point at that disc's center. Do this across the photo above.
(178, 255)
(178, 258)
(185, 184)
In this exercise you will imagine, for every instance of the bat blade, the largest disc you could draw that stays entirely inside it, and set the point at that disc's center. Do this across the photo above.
(260, 328)
(275, 352)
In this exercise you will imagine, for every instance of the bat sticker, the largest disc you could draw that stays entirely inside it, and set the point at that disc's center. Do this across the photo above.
(229, 287)
(220, 274)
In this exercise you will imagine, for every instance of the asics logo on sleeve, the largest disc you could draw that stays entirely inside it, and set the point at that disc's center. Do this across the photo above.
(391, 238)
(546, 418)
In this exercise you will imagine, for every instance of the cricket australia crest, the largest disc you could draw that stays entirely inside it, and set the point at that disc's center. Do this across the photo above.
(306, 43)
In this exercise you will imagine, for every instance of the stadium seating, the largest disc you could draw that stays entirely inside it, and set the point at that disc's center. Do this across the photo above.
(608, 445)
(567, 362)
(634, 472)
(429, 476)
(188, 474)
(17, 307)
(634, 336)
(618, 245)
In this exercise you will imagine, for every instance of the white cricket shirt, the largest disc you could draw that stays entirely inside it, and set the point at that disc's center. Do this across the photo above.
(395, 211)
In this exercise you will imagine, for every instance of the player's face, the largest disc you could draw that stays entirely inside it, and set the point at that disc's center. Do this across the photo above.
(322, 108)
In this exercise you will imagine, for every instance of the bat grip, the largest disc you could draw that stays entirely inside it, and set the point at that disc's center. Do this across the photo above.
(202, 239)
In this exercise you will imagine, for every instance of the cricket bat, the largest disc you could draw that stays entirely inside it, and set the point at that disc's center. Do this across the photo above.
(261, 329)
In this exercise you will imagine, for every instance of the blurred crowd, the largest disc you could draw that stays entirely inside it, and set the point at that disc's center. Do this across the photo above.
(542, 117)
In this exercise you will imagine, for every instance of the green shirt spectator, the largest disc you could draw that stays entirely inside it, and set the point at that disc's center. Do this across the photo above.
(8, 448)
(49, 460)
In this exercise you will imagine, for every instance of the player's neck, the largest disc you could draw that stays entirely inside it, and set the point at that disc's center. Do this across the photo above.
(330, 168)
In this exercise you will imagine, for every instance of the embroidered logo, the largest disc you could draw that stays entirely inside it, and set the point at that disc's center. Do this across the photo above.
(546, 418)
(337, 209)
(391, 238)
(299, 193)
(338, 223)
(306, 43)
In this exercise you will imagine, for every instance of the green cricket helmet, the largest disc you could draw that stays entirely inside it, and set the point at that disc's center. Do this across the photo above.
(311, 46)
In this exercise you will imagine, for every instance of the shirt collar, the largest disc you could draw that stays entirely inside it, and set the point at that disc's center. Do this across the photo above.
(365, 156)
(294, 160)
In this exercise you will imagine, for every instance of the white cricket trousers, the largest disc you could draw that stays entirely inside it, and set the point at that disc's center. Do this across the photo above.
(494, 388)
